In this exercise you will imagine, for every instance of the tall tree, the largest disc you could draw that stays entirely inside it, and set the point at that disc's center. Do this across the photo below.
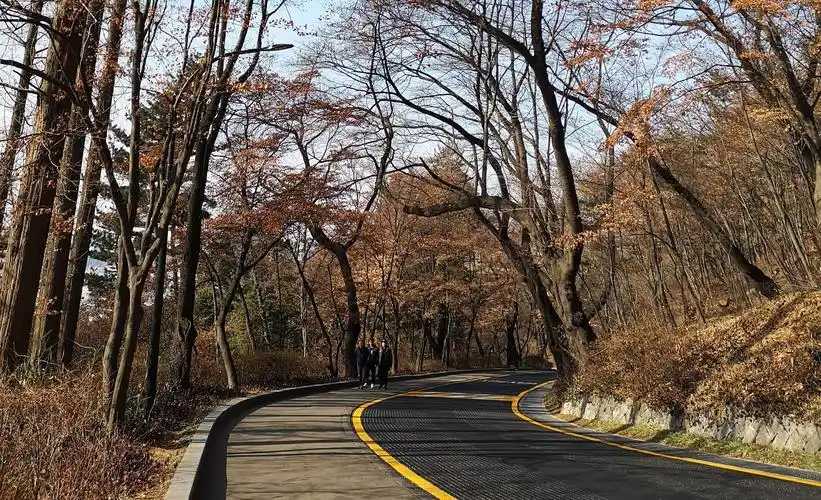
(87, 204)
(45, 334)
(32, 212)
(18, 114)
(226, 73)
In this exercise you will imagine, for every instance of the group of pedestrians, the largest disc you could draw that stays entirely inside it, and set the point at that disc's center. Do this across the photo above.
(373, 362)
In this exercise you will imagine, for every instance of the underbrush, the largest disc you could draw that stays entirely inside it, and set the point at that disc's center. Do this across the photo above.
(764, 362)
(53, 441)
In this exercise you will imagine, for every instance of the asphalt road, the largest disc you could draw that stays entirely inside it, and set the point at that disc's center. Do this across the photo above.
(464, 440)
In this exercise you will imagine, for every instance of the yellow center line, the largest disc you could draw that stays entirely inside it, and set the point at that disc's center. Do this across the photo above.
(402, 469)
(718, 465)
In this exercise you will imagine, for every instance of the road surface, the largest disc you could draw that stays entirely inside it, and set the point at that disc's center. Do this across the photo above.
(470, 436)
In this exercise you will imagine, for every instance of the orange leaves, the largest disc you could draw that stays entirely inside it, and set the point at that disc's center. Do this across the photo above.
(635, 123)
(652, 4)
(149, 158)
(256, 86)
(587, 50)
(761, 6)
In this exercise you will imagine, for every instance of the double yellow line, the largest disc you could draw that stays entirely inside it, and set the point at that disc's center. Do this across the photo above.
(439, 493)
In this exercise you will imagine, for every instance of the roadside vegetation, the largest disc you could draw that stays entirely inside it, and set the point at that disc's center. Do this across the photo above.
(199, 200)
(761, 362)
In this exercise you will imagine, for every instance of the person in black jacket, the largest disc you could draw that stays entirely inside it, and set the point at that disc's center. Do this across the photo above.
(362, 355)
(373, 361)
(384, 364)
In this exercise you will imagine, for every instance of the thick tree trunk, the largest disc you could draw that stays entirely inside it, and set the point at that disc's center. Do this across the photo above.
(352, 321)
(45, 332)
(81, 242)
(46, 329)
(152, 364)
(186, 332)
(18, 114)
(32, 213)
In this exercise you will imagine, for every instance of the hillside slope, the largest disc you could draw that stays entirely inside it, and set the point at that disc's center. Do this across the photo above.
(764, 361)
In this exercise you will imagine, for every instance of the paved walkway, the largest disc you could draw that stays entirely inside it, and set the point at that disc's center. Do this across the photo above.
(471, 436)
(306, 448)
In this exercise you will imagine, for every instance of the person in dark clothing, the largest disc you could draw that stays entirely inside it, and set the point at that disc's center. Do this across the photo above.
(373, 361)
(362, 355)
(384, 364)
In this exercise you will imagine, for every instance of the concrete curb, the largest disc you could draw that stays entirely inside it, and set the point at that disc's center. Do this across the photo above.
(782, 433)
(207, 447)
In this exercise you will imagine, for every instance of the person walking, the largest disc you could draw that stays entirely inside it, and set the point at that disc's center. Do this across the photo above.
(373, 361)
(362, 355)
(384, 364)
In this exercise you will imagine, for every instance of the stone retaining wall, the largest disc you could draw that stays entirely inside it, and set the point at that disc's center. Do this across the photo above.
(782, 433)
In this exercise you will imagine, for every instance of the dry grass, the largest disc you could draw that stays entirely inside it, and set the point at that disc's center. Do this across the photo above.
(762, 362)
(53, 442)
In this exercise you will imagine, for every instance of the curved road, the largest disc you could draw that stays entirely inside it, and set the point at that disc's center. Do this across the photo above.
(471, 436)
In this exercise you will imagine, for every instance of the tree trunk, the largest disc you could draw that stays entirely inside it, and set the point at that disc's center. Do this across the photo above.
(32, 212)
(480, 347)
(249, 323)
(752, 273)
(262, 307)
(225, 350)
(333, 367)
(116, 411)
(471, 331)
(186, 331)
(352, 321)
(510, 336)
(155, 336)
(119, 316)
(81, 242)
(420, 359)
(18, 114)
(45, 334)
(816, 195)
(442, 320)
(303, 319)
